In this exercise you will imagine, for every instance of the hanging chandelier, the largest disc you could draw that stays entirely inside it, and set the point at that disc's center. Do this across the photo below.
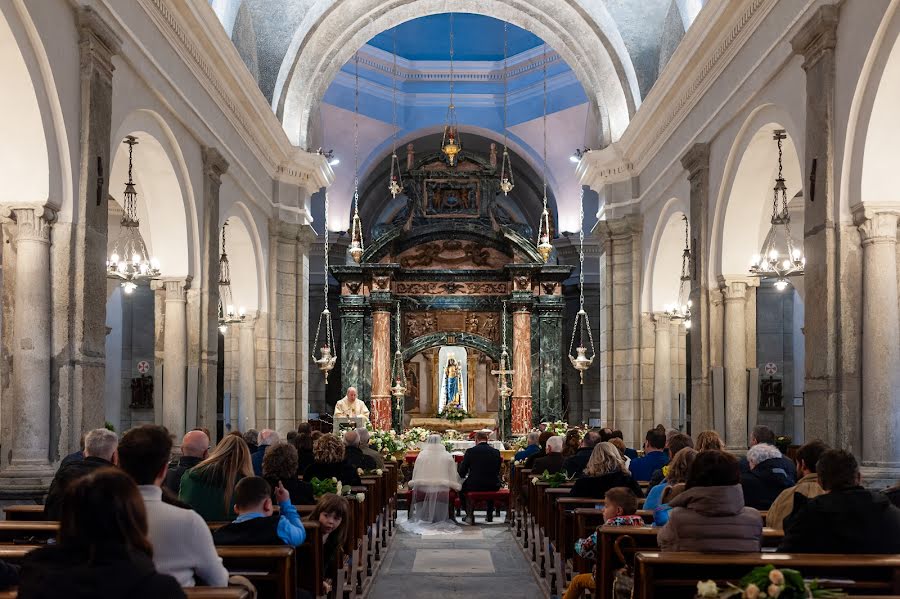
(129, 259)
(357, 247)
(227, 313)
(395, 186)
(325, 359)
(581, 329)
(398, 373)
(544, 246)
(504, 373)
(451, 145)
(779, 258)
(506, 172)
(681, 309)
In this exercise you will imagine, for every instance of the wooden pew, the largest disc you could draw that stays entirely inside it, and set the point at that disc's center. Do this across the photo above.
(192, 593)
(271, 568)
(28, 513)
(27, 532)
(676, 574)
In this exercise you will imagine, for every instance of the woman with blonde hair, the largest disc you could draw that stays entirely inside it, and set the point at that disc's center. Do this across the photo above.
(208, 487)
(709, 440)
(605, 470)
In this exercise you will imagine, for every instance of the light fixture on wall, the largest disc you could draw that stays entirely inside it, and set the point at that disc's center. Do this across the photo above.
(395, 185)
(451, 144)
(227, 314)
(506, 173)
(681, 309)
(323, 355)
(129, 260)
(357, 247)
(581, 355)
(398, 374)
(779, 258)
(544, 246)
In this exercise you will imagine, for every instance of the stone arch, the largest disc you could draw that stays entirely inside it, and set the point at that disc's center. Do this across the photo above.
(664, 267)
(245, 255)
(583, 33)
(469, 340)
(166, 202)
(869, 167)
(743, 204)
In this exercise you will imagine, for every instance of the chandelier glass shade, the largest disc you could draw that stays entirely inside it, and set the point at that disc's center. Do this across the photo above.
(681, 308)
(227, 313)
(323, 355)
(779, 257)
(129, 260)
(581, 348)
(451, 145)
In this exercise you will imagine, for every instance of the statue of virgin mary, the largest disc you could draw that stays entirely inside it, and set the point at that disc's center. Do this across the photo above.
(453, 376)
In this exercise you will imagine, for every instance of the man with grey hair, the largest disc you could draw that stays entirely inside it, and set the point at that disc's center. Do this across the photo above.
(532, 446)
(99, 451)
(251, 436)
(766, 479)
(267, 437)
(364, 447)
(354, 455)
(553, 461)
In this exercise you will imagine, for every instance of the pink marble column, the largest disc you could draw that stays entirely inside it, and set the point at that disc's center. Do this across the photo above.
(381, 369)
(521, 399)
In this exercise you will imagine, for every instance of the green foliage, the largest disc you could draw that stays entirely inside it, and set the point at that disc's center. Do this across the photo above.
(454, 414)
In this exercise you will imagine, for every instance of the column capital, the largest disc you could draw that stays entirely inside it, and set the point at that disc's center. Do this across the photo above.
(735, 288)
(877, 225)
(662, 319)
(696, 159)
(32, 223)
(817, 36)
(98, 42)
(214, 164)
(175, 288)
(306, 237)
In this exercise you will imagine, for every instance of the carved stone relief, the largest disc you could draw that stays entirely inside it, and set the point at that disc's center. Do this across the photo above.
(485, 324)
(452, 288)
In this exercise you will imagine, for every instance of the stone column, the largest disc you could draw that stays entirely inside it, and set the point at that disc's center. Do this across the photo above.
(696, 162)
(880, 332)
(29, 453)
(662, 371)
(214, 166)
(549, 309)
(734, 293)
(353, 315)
(521, 397)
(175, 357)
(381, 368)
(246, 412)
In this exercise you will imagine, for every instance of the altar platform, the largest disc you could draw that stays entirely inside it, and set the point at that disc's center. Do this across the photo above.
(466, 425)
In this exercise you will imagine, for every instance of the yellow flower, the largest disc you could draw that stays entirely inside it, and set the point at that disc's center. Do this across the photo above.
(776, 577)
(665, 471)
(751, 592)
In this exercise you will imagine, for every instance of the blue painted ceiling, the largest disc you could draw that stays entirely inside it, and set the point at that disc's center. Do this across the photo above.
(476, 37)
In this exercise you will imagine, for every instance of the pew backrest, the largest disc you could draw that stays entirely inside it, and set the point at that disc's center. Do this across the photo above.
(267, 566)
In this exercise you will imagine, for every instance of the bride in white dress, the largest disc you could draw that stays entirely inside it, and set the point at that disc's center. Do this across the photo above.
(434, 475)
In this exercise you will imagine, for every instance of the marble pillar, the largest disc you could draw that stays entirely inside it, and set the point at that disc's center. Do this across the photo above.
(175, 357)
(880, 349)
(548, 311)
(29, 452)
(734, 293)
(521, 397)
(381, 368)
(696, 162)
(662, 370)
(352, 339)
(246, 408)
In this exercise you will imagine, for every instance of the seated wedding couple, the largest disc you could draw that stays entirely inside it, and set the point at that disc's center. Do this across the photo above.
(435, 474)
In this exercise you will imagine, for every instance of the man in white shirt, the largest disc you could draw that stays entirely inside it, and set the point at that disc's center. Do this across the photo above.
(182, 544)
(350, 407)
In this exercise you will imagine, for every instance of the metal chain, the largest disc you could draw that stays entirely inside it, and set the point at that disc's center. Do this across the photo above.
(325, 237)
(130, 204)
(356, 138)
(451, 59)
(223, 237)
(505, 83)
(544, 67)
(581, 249)
(394, 96)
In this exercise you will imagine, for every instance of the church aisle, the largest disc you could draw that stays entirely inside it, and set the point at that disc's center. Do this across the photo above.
(481, 561)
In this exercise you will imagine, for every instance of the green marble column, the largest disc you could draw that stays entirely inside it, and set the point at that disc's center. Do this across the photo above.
(353, 337)
(549, 368)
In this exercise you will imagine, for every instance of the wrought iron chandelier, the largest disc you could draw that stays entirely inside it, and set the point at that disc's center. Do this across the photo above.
(681, 309)
(357, 247)
(779, 258)
(129, 260)
(544, 246)
(581, 329)
(227, 313)
(395, 185)
(506, 173)
(325, 359)
(451, 144)
(398, 373)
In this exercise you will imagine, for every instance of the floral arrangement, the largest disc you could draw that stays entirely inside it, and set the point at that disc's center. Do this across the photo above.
(386, 442)
(558, 427)
(518, 443)
(374, 472)
(783, 442)
(414, 436)
(333, 485)
(555, 480)
(768, 582)
(452, 435)
(454, 414)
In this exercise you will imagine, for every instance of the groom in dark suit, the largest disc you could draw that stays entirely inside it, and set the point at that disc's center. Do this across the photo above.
(481, 469)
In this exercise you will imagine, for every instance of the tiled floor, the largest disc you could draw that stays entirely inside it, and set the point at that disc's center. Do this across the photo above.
(480, 561)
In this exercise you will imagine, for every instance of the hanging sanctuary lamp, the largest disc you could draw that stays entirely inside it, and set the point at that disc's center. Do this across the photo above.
(506, 173)
(325, 359)
(544, 246)
(129, 260)
(451, 145)
(357, 247)
(227, 313)
(504, 375)
(579, 355)
(398, 373)
(779, 257)
(681, 309)
(395, 185)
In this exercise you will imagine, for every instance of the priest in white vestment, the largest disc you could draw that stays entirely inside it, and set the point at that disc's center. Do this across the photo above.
(434, 476)
(350, 406)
